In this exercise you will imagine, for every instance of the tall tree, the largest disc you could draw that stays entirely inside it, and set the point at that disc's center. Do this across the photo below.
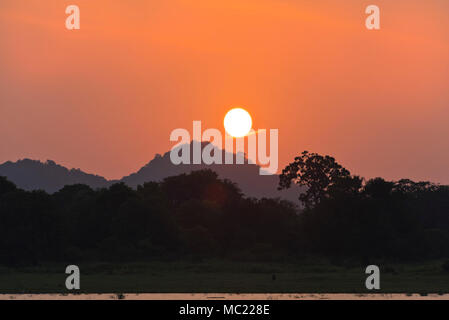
(321, 175)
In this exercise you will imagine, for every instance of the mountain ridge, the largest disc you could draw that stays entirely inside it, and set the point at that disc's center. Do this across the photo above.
(49, 176)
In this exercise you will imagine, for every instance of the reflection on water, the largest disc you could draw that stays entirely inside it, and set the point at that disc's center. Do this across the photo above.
(222, 296)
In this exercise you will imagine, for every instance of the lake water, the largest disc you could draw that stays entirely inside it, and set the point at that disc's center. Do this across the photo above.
(221, 296)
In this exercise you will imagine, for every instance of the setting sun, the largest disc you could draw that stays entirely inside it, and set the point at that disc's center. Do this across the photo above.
(237, 122)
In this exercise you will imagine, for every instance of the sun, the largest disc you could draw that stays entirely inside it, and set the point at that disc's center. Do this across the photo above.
(237, 122)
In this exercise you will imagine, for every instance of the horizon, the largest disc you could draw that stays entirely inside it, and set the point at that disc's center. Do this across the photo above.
(156, 156)
(167, 153)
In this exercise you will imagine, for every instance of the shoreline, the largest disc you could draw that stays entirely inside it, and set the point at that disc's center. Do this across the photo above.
(225, 296)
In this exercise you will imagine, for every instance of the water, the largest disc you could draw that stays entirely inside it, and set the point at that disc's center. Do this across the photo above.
(221, 296)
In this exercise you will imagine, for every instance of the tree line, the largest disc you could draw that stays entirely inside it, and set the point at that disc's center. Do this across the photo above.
(198, 215)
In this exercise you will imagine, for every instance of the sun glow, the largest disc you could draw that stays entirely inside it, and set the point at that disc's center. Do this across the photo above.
(238, 122)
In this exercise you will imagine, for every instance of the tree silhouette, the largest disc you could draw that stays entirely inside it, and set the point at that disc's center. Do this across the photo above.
(6, 186)
(379, 188)
(199, 215)
(322, 175)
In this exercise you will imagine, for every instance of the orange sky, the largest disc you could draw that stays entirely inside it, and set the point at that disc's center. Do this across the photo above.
(105, 98)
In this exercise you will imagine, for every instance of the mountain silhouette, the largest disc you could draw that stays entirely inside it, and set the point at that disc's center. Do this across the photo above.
(36, 175)
(49, 176)
(245, 175)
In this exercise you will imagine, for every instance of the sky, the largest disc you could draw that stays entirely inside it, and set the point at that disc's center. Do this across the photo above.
(105, 98)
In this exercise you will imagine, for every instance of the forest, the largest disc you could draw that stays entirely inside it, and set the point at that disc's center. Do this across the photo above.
(200, 216)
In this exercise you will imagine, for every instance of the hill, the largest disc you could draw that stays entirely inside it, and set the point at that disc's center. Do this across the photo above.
(51, 177)
(30, 174)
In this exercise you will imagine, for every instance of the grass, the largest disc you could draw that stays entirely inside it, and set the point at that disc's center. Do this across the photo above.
(226, 277)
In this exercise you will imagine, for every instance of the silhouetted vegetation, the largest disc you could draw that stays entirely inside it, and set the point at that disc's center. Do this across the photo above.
(198, 215)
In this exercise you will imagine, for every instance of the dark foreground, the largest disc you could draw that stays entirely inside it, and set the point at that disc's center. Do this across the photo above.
(227, 277)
